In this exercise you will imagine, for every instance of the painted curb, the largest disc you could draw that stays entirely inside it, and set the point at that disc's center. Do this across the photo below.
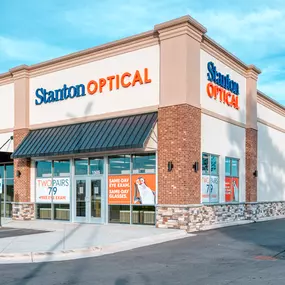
(93, 251)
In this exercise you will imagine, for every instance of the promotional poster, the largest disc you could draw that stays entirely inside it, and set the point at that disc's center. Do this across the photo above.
(138, 189)
(210, 189)
(143, 189)
(231, 189)
(53, 189)
(119, 189)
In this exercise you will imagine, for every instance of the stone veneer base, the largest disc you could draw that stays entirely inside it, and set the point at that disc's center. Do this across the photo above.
(200, 217)
(23, 211)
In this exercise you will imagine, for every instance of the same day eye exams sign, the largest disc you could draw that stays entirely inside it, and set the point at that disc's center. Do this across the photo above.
(95, 86)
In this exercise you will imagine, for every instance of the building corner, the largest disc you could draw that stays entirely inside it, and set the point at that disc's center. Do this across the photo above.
(23, 208)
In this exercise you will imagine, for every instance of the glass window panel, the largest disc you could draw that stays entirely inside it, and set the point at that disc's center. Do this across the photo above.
(9, 190)
(44, 211)
(2, 171)
(97, 166)
(61, 168)
(144, 163)
(61, 212)
(10, 171)
(43, 168)
(81, 166)
(228, 166)
(235, 168)
(119, 164)
(143, 215)
(205, 163)
(8, 210)
(2, 208)
(214, 165)
(119, 214)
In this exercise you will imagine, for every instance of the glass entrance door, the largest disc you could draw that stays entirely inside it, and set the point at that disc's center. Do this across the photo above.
(89, 202)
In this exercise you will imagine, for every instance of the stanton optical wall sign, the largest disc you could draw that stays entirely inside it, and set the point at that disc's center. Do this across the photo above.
(221, 87)
(110, 83)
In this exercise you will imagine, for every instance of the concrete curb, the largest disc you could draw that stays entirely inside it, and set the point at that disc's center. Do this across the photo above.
(93, 251)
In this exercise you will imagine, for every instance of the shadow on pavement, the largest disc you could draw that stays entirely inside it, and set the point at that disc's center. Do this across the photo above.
(14, 232)
(264, 237)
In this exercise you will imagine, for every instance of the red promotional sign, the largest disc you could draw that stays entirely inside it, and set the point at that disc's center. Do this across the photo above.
(231, 189)
(119, 189)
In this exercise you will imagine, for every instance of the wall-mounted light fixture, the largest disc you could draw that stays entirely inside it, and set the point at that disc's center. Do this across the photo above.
(255, 173)
(170, 166)
(18, 173)
(196, 166)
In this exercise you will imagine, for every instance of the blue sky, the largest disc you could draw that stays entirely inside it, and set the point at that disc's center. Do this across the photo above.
(32, 31)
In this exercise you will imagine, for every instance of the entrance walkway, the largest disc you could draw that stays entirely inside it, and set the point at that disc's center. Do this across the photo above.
(62, 241)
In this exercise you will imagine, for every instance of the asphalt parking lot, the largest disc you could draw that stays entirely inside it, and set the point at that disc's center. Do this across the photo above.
(249, 254)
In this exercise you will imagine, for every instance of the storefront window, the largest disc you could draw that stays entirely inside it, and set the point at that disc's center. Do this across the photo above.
(232, 180)
(210, 178)
(44, 211)
(2, 171)
(214, 165)
(132, 196)
(9, 171)
(2, 206)
(53, 189)
(81, 166)
(97, 166)
(44, 168)
(234, 168)
(61, 168)
(119, 214)
(144, 163)
(119, 164)
(143, 215)
(228, 166)
(6, 175)
(205, 163)
(61, 212)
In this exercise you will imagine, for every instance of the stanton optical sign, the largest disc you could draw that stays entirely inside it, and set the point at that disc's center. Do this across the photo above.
(221, 87)
(110, 83)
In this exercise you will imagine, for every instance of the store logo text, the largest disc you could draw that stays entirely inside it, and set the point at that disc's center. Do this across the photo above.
(109, 83)
(222, 87)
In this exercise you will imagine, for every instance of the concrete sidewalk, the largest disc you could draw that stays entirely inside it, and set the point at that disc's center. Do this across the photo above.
(64, 241)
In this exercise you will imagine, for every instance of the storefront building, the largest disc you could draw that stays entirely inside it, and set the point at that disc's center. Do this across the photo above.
(164, 128)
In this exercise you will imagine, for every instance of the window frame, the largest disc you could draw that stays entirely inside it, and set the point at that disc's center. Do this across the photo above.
(210, 175)
(231, 169)
(51, 204)
(231, 176)
(5, 179)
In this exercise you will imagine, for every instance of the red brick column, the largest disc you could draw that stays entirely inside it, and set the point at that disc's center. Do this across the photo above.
(179, 141)
(251, 165)
(23, 209)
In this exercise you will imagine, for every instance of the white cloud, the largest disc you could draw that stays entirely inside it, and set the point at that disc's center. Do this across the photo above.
(28, 51)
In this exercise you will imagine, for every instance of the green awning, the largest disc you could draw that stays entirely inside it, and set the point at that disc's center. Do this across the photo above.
(129, 132)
